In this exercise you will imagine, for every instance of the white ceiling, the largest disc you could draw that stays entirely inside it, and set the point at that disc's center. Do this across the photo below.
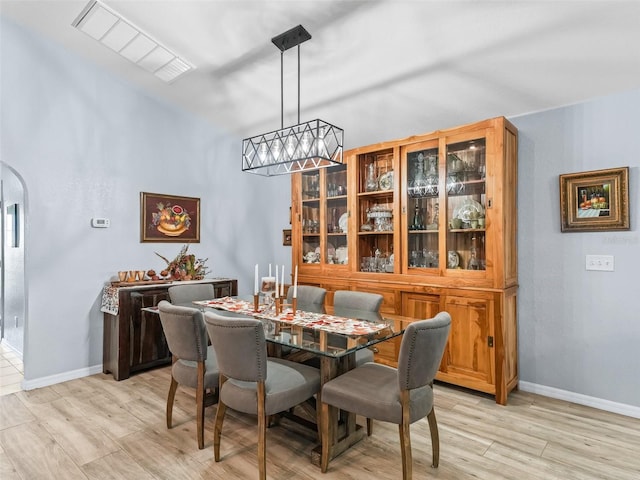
(369, 62)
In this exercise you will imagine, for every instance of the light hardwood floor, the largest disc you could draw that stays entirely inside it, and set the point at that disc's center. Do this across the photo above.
(98, 428)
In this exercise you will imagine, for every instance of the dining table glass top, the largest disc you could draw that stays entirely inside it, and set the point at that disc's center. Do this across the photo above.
(312, 328)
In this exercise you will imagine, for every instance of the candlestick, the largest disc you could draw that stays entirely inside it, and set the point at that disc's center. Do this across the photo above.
(295, 283)
(256, 302)
(282, 283)
(256, 288)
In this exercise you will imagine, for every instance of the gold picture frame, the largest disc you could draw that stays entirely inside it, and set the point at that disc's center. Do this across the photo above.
(595, 201)
(169, 218)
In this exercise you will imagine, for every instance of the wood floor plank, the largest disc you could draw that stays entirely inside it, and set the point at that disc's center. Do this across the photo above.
(13, 412)
(7, 470)
(116, 466)
(35, 454)
(81, 439)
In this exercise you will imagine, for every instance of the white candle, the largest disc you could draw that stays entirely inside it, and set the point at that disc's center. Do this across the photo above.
(277, 291)
(256, 287)
(282, 283)
(269, 269)
(295, 283)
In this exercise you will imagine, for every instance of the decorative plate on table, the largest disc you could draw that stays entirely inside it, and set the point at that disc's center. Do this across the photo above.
(386, 180)
(343, 223)
(464, 211)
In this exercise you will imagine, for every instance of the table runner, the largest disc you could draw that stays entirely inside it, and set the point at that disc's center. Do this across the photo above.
(321, 321)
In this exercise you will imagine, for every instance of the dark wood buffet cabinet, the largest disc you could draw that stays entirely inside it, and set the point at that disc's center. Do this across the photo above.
(133, 340)
(430, 223)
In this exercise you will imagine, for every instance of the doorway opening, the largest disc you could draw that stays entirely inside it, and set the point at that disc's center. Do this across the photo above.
(12, 279)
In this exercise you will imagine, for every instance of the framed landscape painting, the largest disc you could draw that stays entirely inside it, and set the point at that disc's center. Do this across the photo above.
(169, 218)
(595, 201)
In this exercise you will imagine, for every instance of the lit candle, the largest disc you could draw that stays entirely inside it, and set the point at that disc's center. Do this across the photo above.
(277, 291)
(295, 283)
(256, 287)
(282, 283)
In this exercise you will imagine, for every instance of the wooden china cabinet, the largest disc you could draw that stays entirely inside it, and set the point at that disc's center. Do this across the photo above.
(429, 222)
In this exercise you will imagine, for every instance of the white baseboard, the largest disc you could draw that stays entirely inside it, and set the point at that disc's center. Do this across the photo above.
(580, 399)
(60, 377)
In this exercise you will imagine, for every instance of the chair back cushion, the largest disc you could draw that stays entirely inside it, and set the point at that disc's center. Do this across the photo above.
(348, 299)
(184, 330)
(421, 351)
(310, 298)
(240, 346)
(181, 294)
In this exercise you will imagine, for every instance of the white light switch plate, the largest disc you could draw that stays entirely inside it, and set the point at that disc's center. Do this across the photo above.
(603, 263)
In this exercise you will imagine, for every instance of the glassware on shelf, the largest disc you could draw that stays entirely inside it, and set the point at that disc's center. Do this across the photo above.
(417, 223)
(455, 175)
(382, 218)
(423, 184)
(372, 180)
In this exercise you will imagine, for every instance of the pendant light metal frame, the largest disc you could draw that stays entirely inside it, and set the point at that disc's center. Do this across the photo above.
(306, 146)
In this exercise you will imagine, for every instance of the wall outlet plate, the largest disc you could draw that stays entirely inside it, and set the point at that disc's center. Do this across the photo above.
(603, 263)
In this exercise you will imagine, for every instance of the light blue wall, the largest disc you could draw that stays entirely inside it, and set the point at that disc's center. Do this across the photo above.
(579, 330)
(86, 145)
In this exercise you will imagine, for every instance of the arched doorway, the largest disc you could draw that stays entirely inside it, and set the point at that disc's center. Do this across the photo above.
(12, 276)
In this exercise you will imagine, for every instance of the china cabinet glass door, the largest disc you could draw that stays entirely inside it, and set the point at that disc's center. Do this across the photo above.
(422, 208)
(336, 216)
(310, 219)
(376, 213)
(465, 204)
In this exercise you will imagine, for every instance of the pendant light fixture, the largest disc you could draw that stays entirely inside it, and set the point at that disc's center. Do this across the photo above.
(306, 146)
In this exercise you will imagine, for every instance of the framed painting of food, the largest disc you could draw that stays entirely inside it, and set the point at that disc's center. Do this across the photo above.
(595, 201)
(169, 218)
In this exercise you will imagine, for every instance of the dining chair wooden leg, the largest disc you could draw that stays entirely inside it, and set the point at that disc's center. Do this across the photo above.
(262, 433)
(405, 437)
(324, 436)
(200, 405)
(435, 438)
(170, 399)
(319, 415)
(369, 427)
(217, 427)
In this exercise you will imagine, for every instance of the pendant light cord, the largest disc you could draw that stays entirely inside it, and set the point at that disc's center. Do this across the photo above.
(281, 88)
(298, 84)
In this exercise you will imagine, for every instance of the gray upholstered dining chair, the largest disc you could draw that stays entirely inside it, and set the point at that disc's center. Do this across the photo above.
(349, 299)
(252, 383)
(310, 298)
(401, 396)
(345, 301)
(183, 294)
(194, 363)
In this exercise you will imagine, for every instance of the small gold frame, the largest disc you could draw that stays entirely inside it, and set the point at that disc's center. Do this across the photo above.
(595, 201)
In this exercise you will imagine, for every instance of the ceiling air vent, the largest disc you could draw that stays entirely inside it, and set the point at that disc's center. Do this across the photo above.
(123, 37)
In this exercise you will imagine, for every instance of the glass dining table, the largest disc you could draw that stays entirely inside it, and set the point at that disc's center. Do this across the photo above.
(326, 337)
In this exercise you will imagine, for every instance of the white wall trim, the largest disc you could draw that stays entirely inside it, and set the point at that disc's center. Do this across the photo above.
(60, 377)
(580, 399)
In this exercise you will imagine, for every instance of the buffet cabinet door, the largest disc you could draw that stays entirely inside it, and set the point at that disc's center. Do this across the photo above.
(469, 358)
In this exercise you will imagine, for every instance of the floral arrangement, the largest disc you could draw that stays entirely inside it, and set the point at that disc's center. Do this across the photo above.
(185, 266)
